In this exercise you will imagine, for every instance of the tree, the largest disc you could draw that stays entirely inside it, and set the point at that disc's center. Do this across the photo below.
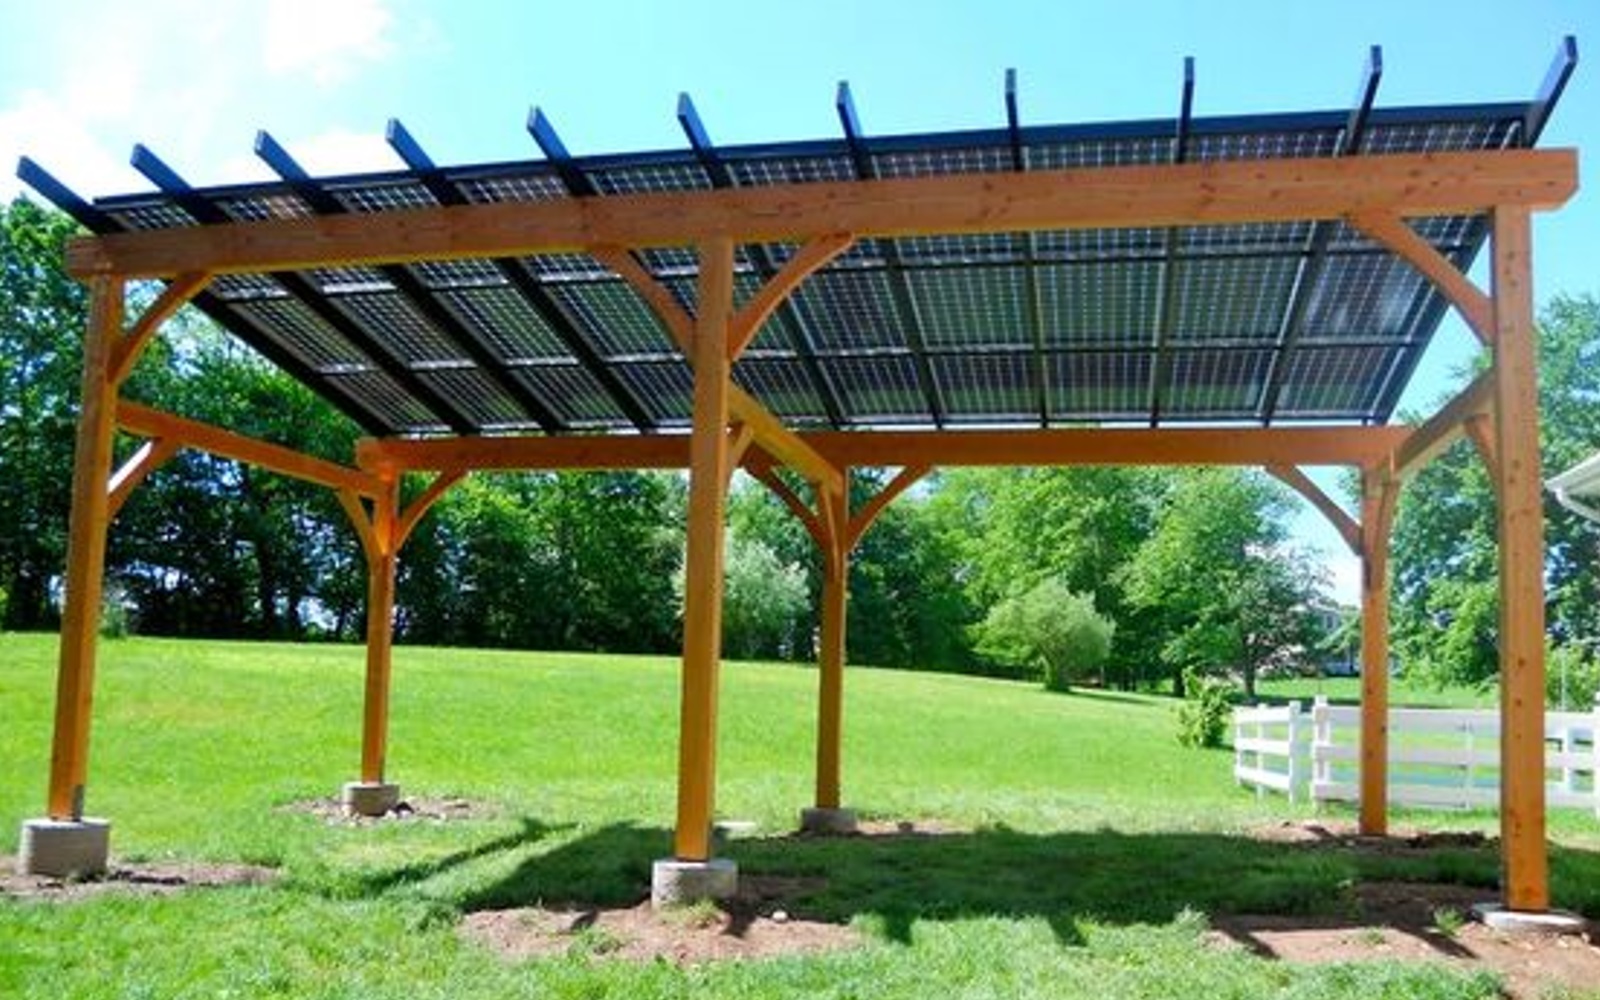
(1217, 574)
(762, 596)
(1446, 589)
(1048, 630)
(42, 317)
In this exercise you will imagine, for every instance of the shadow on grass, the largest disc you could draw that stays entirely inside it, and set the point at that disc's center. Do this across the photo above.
(894, 880)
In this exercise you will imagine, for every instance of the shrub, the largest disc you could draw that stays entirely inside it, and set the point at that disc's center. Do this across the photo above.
(1053, 632)
(1203, 717)
(1571, 678)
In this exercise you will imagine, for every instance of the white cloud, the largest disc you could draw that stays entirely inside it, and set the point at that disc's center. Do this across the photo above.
(326, 40)
(344, 152)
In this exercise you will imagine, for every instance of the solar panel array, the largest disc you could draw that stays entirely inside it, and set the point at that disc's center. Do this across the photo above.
(1260, 323)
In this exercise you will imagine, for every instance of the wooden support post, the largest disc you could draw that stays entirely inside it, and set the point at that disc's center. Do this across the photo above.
(831, 654)
(703, 563)
(1379, 492)
(381, 560)
(86, 553)
(1520, 523)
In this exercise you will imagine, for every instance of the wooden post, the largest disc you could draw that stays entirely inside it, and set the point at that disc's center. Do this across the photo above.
(381, 567)
(1520, 523)
(703, 563)
(1378, 495)
(86, 552)
(830, 664)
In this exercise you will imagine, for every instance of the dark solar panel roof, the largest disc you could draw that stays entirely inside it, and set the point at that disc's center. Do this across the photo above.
(1260, 323)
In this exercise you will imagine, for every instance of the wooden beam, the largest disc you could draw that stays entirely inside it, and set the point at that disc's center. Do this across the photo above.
(810, 258)
(1380, 493)
(862, 519)
(1389, 230)
(132, 344)
(1520, 522)
(1240, 446)
(86, 554)
(831, 653)
(703, 562)
(361, 521)
(1433, 436)
(151, 456)
(1293, 477)
(740, 438)
(147, 422)
(381, 571)
(766, 474)
(1201, 193)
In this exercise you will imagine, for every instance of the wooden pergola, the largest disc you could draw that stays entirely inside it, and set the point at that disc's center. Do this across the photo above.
(1003, 297)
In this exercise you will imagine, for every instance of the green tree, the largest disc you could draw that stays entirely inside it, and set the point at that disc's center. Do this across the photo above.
(1229, 594)
(42, 317)
(762, 597)
(1049, 631)
(1446, 592)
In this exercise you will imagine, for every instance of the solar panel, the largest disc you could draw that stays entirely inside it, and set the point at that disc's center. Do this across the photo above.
(1287, 320)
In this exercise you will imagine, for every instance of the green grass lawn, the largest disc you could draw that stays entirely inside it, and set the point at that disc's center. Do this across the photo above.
(1097, 847)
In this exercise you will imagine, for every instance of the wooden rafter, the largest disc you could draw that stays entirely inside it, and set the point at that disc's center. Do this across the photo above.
(185, 433)
(1202, 193)
(1389, 230)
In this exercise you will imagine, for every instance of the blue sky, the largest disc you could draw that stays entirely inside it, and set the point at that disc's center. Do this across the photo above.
(82, 80)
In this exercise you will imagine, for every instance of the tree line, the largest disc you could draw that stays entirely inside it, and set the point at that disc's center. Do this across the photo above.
(1117, 576)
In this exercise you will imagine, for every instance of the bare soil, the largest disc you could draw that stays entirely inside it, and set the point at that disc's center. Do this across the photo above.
(752, 925)
(1413, 921)
(408, 810)
(151, 879)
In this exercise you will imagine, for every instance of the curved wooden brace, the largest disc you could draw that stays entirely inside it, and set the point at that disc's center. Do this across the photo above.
(361, 519)
(152, 455)
(679, 324)
(862, 519)
(413, 512)
(1380, 498)
(1391, 231)
(814, 255)
(1480, 430)
(1444, 428)
(1293, 477)
(132, 344)
(739, 440)
(764, 473)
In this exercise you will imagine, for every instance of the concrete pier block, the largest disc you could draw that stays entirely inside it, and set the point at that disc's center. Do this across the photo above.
(676, 883)
(363, 798)
(62, 848)
(831, 822)
(1555, 922)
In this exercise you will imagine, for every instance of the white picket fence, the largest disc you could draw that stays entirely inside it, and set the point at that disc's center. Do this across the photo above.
(1437, 757)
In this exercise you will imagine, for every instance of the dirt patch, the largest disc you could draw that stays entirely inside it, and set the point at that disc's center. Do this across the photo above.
(903, 828)
(415, 809)
(1419, 921)
(755, 924)
(150, 879)
(1346, 834)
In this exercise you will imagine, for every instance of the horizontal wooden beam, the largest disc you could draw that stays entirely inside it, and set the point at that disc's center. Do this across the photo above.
(1200, 193)
(171, 429)
(1445, 428)
(1362, 447)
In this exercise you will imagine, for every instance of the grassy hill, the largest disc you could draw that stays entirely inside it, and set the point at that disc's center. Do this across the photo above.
(1088, 845)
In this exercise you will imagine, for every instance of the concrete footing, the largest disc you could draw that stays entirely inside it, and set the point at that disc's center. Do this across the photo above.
(828, 821)
(369, 798)
(62, 848)
(1496, 917)
(675, 883)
